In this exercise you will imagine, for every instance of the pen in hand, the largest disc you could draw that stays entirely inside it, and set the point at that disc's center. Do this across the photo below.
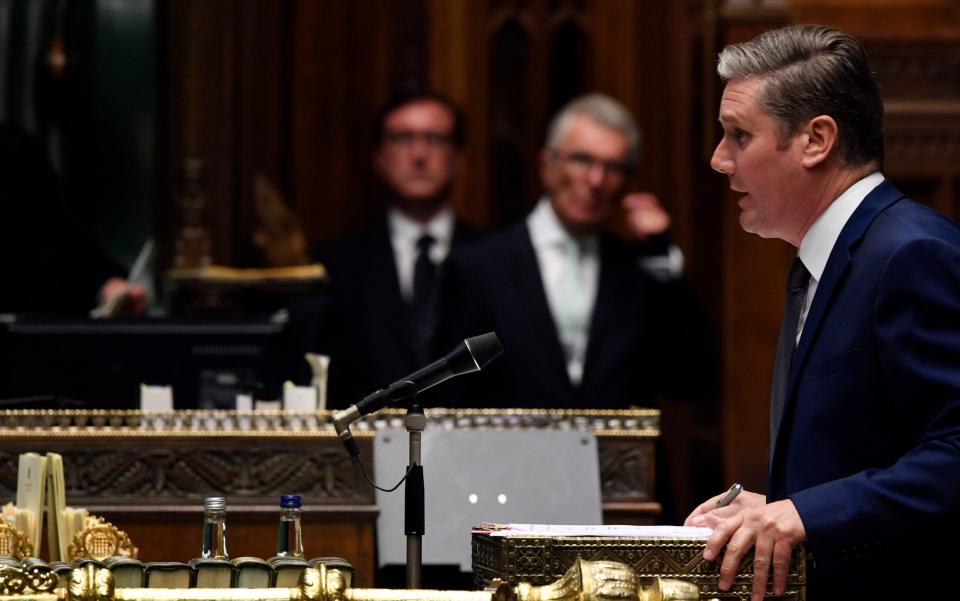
(728, 498)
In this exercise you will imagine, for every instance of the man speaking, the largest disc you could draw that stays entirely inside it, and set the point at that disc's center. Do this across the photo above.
(865, 401)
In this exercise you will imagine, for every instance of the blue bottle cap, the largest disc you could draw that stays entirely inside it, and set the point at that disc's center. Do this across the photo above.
(290, 501)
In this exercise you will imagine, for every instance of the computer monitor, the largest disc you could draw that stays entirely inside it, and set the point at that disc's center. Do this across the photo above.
(100, 364)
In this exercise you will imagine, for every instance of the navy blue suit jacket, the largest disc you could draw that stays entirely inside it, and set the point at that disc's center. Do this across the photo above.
(869, 447)
(647, 338)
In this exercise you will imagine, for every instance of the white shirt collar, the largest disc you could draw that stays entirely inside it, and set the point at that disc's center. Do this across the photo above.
(546, 230)
(818, 242)
(404, 229)
(404, 234)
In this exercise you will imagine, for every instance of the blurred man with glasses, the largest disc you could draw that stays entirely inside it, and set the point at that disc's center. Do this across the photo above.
(386, 282)
(587, 319)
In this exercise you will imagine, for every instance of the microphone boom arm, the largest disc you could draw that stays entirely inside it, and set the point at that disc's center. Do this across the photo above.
(472, 355)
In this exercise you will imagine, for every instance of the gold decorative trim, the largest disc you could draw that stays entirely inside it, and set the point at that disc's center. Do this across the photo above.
(28, 579)
(250, 275)
(584, 581)
(106, 434)
(99, 540)
(13, 542)
(435, 411)
(637, 423)
(540, 559)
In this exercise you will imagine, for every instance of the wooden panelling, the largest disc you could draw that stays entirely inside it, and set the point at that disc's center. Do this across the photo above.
(262, 122)
(200, 57)
(164, 534)
(458, 70)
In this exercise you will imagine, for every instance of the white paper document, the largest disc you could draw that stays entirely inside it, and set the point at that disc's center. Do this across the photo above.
(684, 532)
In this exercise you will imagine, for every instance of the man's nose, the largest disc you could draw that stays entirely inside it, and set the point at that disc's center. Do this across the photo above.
(721, 161)
(597, 174)
(419, 146)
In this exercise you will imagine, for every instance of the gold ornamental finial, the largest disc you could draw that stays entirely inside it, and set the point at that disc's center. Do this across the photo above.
(90, 582)
(607, 581)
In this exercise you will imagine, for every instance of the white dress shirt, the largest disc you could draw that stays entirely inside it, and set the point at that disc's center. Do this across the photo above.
(550, 242)
(818, 242)
(404, 234)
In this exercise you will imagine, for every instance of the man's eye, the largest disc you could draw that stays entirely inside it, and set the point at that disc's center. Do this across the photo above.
(401, 137)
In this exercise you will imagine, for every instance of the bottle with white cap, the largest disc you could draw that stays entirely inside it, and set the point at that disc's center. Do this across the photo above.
(215, 528)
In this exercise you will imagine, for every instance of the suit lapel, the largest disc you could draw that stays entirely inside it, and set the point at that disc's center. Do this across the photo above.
(528, 283)
(384, 284)
(833, 274)
(610, 313)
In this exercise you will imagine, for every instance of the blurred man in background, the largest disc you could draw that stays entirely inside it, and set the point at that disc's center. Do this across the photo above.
(386, 282)
(587, 320)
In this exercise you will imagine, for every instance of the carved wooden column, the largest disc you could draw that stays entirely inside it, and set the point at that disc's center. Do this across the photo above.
(200, 133)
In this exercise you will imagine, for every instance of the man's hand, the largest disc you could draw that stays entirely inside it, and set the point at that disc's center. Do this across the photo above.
(773, 531)
(645, 217)
(132, 297)
(706, 515)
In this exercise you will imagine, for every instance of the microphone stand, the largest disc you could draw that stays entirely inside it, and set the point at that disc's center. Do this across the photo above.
(413, 524)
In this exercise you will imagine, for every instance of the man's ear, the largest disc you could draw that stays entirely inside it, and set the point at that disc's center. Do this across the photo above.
(820, 139)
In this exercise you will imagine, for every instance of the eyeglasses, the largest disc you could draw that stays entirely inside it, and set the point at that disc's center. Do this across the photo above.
(405, 138)
(582, 163)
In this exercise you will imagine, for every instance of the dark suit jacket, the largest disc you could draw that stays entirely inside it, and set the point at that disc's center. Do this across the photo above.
(646, 337)
(869, 447)
(47, 263)
(368, 335)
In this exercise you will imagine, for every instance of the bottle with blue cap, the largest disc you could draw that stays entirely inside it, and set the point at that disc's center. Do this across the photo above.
(290, 536)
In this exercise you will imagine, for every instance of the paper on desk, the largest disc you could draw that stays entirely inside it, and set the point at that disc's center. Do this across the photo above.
(685, 532)
(156, 399)
(299, 398)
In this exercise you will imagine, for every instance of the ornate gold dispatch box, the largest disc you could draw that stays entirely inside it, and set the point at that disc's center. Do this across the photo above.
(540, 559)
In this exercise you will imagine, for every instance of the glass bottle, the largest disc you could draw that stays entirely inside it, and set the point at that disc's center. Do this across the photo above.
(215, 528)
(289, 535)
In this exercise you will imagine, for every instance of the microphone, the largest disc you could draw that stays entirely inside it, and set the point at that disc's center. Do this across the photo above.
(473, 354)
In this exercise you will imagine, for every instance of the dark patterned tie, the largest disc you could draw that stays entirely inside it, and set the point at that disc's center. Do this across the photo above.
(796, 294)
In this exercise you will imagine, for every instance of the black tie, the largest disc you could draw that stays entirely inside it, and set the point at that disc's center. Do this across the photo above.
(424, 271)
(796, 294)
(424, 310)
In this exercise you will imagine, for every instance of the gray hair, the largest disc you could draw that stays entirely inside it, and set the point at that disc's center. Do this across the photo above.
(604, 110)
(811, 70)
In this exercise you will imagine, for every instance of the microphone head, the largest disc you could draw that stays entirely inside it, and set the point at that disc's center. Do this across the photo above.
(484, 348)
(472, 355)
